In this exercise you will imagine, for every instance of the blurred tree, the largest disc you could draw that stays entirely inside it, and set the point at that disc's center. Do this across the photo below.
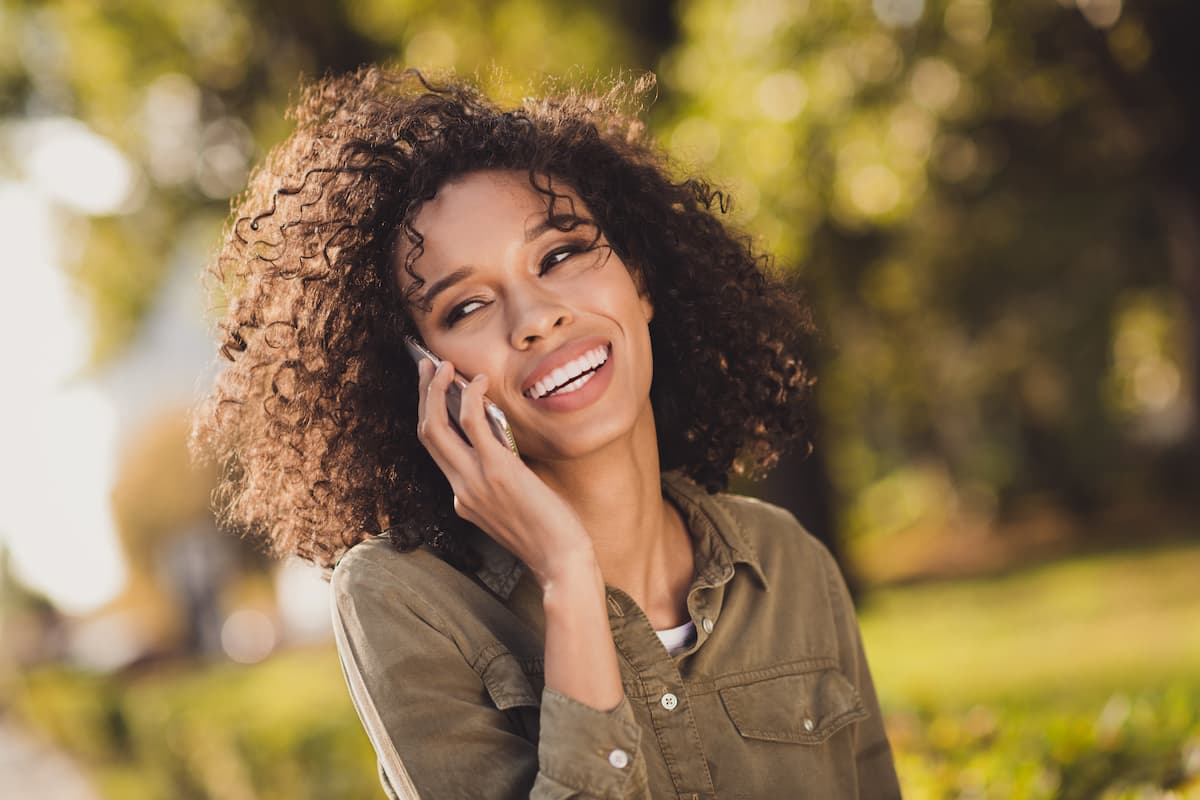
(994, 207)
(193, 93)
(172, 546)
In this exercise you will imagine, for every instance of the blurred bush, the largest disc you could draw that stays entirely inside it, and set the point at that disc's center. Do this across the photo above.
(1075, 680)
(1144, 744)
(1065, 705)
(275, 731)
(283, 729)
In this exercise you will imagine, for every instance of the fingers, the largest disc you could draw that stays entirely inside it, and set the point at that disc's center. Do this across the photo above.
(474, 469)
(424, 374)
(434, 429)
(471, 416)
(475, 496)
(436, 416)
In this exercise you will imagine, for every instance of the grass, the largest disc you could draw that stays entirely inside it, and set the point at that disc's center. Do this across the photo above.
(284, 728)
(1076, 680)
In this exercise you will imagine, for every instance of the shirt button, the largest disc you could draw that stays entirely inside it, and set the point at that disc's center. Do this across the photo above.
(809, 725)
(707, 624)
(669, 701)
(618, 758)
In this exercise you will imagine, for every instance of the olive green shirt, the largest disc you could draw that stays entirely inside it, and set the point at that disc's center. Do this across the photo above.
(772, 700)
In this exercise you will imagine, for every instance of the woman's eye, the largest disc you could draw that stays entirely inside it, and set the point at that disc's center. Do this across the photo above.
(462, 310)
(556, 257)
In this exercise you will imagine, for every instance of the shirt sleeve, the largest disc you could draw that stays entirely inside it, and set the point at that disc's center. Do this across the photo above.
(434, 725)
(876, 769)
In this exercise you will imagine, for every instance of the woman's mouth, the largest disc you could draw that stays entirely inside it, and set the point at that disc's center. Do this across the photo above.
(572, 376)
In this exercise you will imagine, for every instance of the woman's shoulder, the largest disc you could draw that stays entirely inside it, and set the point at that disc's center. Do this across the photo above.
(387, 593)
(776, 535)
(373, 573)
(374, 561)
(759, 513)
(768, 530)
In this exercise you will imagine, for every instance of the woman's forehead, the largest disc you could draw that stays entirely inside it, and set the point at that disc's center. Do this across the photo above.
(478, 212)
(481, 195)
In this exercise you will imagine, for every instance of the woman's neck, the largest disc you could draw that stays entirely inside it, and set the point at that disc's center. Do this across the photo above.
(641, 543)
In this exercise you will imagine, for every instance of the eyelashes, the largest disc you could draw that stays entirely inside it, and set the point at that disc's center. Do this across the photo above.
(549, 262)
(558, 256)
(459, 312)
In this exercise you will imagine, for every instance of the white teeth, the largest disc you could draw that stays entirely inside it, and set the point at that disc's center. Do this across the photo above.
(570, 374)
(576, 384)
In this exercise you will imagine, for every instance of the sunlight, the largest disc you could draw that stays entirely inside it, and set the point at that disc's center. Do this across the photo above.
(58, 428)
(74, 166)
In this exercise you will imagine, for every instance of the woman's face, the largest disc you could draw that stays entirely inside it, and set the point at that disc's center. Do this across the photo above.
(553, 319)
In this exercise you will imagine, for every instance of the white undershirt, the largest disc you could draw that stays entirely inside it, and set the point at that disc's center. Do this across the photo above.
(676, 640)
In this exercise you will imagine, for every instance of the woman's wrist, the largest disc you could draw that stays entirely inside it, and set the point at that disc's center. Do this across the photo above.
(568, 566)
(581, 657)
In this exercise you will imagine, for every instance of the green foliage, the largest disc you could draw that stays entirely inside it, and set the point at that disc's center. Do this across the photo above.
(981, 199)
(281, 729)
(1075, 680)
(975, 200)
(1073, 747)
(286, 729)
(1089, 623)
(193, 93)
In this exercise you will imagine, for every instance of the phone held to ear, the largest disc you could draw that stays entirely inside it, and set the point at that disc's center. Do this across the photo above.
(495, 417)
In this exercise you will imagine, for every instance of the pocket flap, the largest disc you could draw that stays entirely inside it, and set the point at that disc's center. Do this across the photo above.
(508, 684)
(805, 708)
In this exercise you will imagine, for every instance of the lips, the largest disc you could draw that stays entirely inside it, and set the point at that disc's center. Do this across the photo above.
(572, 376)
(566, 364)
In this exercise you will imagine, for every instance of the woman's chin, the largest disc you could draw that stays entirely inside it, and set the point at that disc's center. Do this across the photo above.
(574, 443)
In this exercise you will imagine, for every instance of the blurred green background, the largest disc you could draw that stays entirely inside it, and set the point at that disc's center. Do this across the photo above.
(995, 209)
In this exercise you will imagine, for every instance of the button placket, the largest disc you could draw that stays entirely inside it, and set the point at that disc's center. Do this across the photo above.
(672, 720)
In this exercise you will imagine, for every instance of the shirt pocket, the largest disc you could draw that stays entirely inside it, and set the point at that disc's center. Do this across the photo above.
(515, 687)
(805, 705)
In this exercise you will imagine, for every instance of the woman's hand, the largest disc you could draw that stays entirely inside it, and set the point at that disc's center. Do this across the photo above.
(496, 491)
(492, 487)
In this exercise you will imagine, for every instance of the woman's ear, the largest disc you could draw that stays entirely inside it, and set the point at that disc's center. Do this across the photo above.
(639, 283)
(647, 306)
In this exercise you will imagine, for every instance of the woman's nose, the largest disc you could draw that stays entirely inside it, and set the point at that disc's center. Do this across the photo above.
(534, 315)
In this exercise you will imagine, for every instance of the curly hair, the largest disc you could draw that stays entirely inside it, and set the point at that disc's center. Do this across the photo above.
(314, 419)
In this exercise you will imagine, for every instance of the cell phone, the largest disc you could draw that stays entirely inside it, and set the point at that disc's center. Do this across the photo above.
(495, 417)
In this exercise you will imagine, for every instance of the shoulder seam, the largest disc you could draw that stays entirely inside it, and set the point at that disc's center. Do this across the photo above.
(403, 591)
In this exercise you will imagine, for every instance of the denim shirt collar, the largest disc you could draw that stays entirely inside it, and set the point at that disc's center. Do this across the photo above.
(718, 538)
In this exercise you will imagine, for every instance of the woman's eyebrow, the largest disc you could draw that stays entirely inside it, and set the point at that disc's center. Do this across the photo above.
(442, 284)
(561, 222)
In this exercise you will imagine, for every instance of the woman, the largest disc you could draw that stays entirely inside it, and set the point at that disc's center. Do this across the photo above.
(591, 618)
